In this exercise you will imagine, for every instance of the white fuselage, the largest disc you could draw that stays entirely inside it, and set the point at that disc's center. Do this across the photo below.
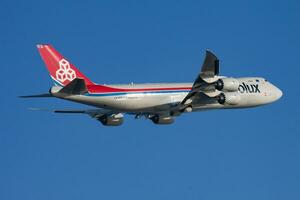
(253, 91)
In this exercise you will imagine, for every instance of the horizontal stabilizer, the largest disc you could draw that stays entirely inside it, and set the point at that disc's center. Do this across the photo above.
(37, 95)
(70, 111)
(75, 87)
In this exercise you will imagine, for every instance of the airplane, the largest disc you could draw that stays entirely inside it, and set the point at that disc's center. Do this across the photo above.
(159, 102)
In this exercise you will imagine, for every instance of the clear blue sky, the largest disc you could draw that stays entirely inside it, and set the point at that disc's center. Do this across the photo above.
(232, 154)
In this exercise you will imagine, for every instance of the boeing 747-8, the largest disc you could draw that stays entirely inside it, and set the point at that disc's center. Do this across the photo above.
(159, 102)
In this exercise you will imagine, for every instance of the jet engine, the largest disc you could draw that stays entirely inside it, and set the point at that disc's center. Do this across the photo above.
(227, 84)
(111, 121)
(162, 120)
(230, 98)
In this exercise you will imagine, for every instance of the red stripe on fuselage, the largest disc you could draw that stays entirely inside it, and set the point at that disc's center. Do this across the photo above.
(107, 89)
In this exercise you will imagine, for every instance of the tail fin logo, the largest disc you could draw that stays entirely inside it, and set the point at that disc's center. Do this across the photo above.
(65, 72)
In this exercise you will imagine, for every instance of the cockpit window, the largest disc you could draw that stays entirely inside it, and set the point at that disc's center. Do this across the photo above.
(266, 80)
(257, 80)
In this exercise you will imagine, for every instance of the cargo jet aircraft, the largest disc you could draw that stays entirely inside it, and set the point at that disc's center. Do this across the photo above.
(159, 102)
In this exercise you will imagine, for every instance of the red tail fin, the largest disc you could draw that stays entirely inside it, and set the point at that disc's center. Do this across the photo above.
(60, 69)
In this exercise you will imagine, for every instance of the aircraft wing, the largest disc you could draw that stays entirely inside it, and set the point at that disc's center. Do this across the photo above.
(210, 68)
(94, 113)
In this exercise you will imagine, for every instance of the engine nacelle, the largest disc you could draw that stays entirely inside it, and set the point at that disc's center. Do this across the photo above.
(111, 121)
(162, 120)
(229, 98)
(227, 84)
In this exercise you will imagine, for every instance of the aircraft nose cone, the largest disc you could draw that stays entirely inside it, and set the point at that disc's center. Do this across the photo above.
(278, 93)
